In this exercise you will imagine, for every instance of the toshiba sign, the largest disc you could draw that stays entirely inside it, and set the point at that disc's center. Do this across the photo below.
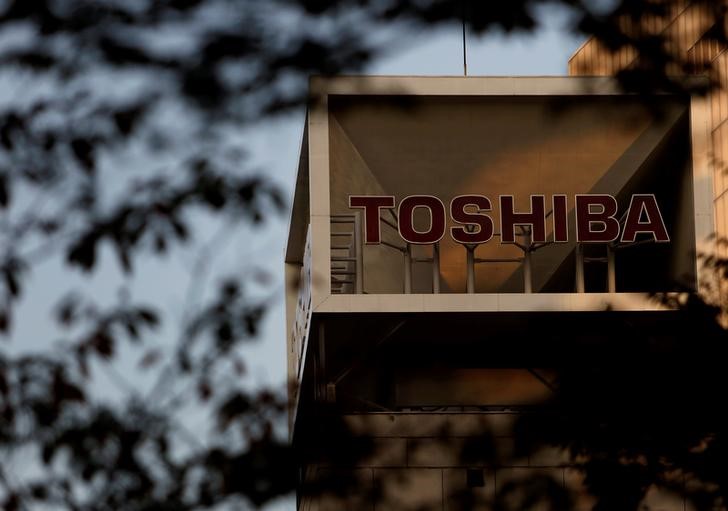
(597, 218)
(497, 194)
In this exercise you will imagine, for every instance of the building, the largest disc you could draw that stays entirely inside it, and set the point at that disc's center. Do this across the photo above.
(438, 290)
(415, 358)
(689, 27)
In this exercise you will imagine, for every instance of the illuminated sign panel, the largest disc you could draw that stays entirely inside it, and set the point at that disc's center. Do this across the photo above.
(506, 194)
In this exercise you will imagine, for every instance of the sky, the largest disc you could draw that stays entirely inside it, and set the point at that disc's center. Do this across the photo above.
(274, 148)
(431, 52)
(544, 52)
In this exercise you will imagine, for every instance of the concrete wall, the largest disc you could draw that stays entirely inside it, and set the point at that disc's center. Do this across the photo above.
(350, 175)
(433, 462)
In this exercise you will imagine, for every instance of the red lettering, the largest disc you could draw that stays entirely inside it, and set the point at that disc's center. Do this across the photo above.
(587, 220)
(596, 218)
(437, 219)
(371, 204)
(477, 219)
(510, 219)
(653, 225)
(560, 214)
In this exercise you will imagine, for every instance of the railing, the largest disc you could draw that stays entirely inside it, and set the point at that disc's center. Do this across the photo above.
(528, 248)
(409, 259)
(581, 259)
(347, 258)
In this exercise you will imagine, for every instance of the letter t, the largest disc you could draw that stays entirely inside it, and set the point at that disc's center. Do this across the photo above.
(371, 205)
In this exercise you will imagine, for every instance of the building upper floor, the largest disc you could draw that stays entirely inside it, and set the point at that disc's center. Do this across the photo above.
(441, 194)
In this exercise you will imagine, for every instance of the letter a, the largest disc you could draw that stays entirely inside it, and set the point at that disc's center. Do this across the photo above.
(653, 225)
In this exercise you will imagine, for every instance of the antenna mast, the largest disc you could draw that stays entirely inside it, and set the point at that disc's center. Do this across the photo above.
(465, 49)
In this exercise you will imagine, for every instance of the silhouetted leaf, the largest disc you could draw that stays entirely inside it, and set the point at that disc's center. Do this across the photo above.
(213, 195)
(248, 191)
(230, 290)
(4, 190)
(127, 119)
(102, 343)
(160, 244)
(4, 388)
(66, 312)
(39, 492)
(233, 407)
(119, 53)
(36, 60)
(49, 226)
(180, 229)
(47, 453)
(83, 252)
(83, 149)
(224, 334)
(131, 329)
(252, 321)
(12, 502)
(148, 316)
(11, 280)
(64, 390)
(10, 125)
(204, 390)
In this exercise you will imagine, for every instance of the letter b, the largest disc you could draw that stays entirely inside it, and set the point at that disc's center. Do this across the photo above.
(596, 226)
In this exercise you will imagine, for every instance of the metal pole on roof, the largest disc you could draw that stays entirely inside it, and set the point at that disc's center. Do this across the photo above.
(580, 287)
(408, 269)
(611, 270)
(527, 265)
(436, 268)
(465, 49)
(359, 254)
(470, 262)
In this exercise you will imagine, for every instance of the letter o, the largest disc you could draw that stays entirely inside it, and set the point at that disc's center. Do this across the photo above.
(437, 219)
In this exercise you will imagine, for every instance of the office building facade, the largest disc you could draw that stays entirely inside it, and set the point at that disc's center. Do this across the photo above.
(448, 235)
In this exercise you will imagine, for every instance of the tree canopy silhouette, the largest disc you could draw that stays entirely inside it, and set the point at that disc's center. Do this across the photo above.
(176, 78)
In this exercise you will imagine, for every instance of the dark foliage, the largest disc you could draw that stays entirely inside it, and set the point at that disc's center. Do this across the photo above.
(113, 69)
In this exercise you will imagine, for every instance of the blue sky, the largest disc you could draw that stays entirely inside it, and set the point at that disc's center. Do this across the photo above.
(433, 52)
(273, 149)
